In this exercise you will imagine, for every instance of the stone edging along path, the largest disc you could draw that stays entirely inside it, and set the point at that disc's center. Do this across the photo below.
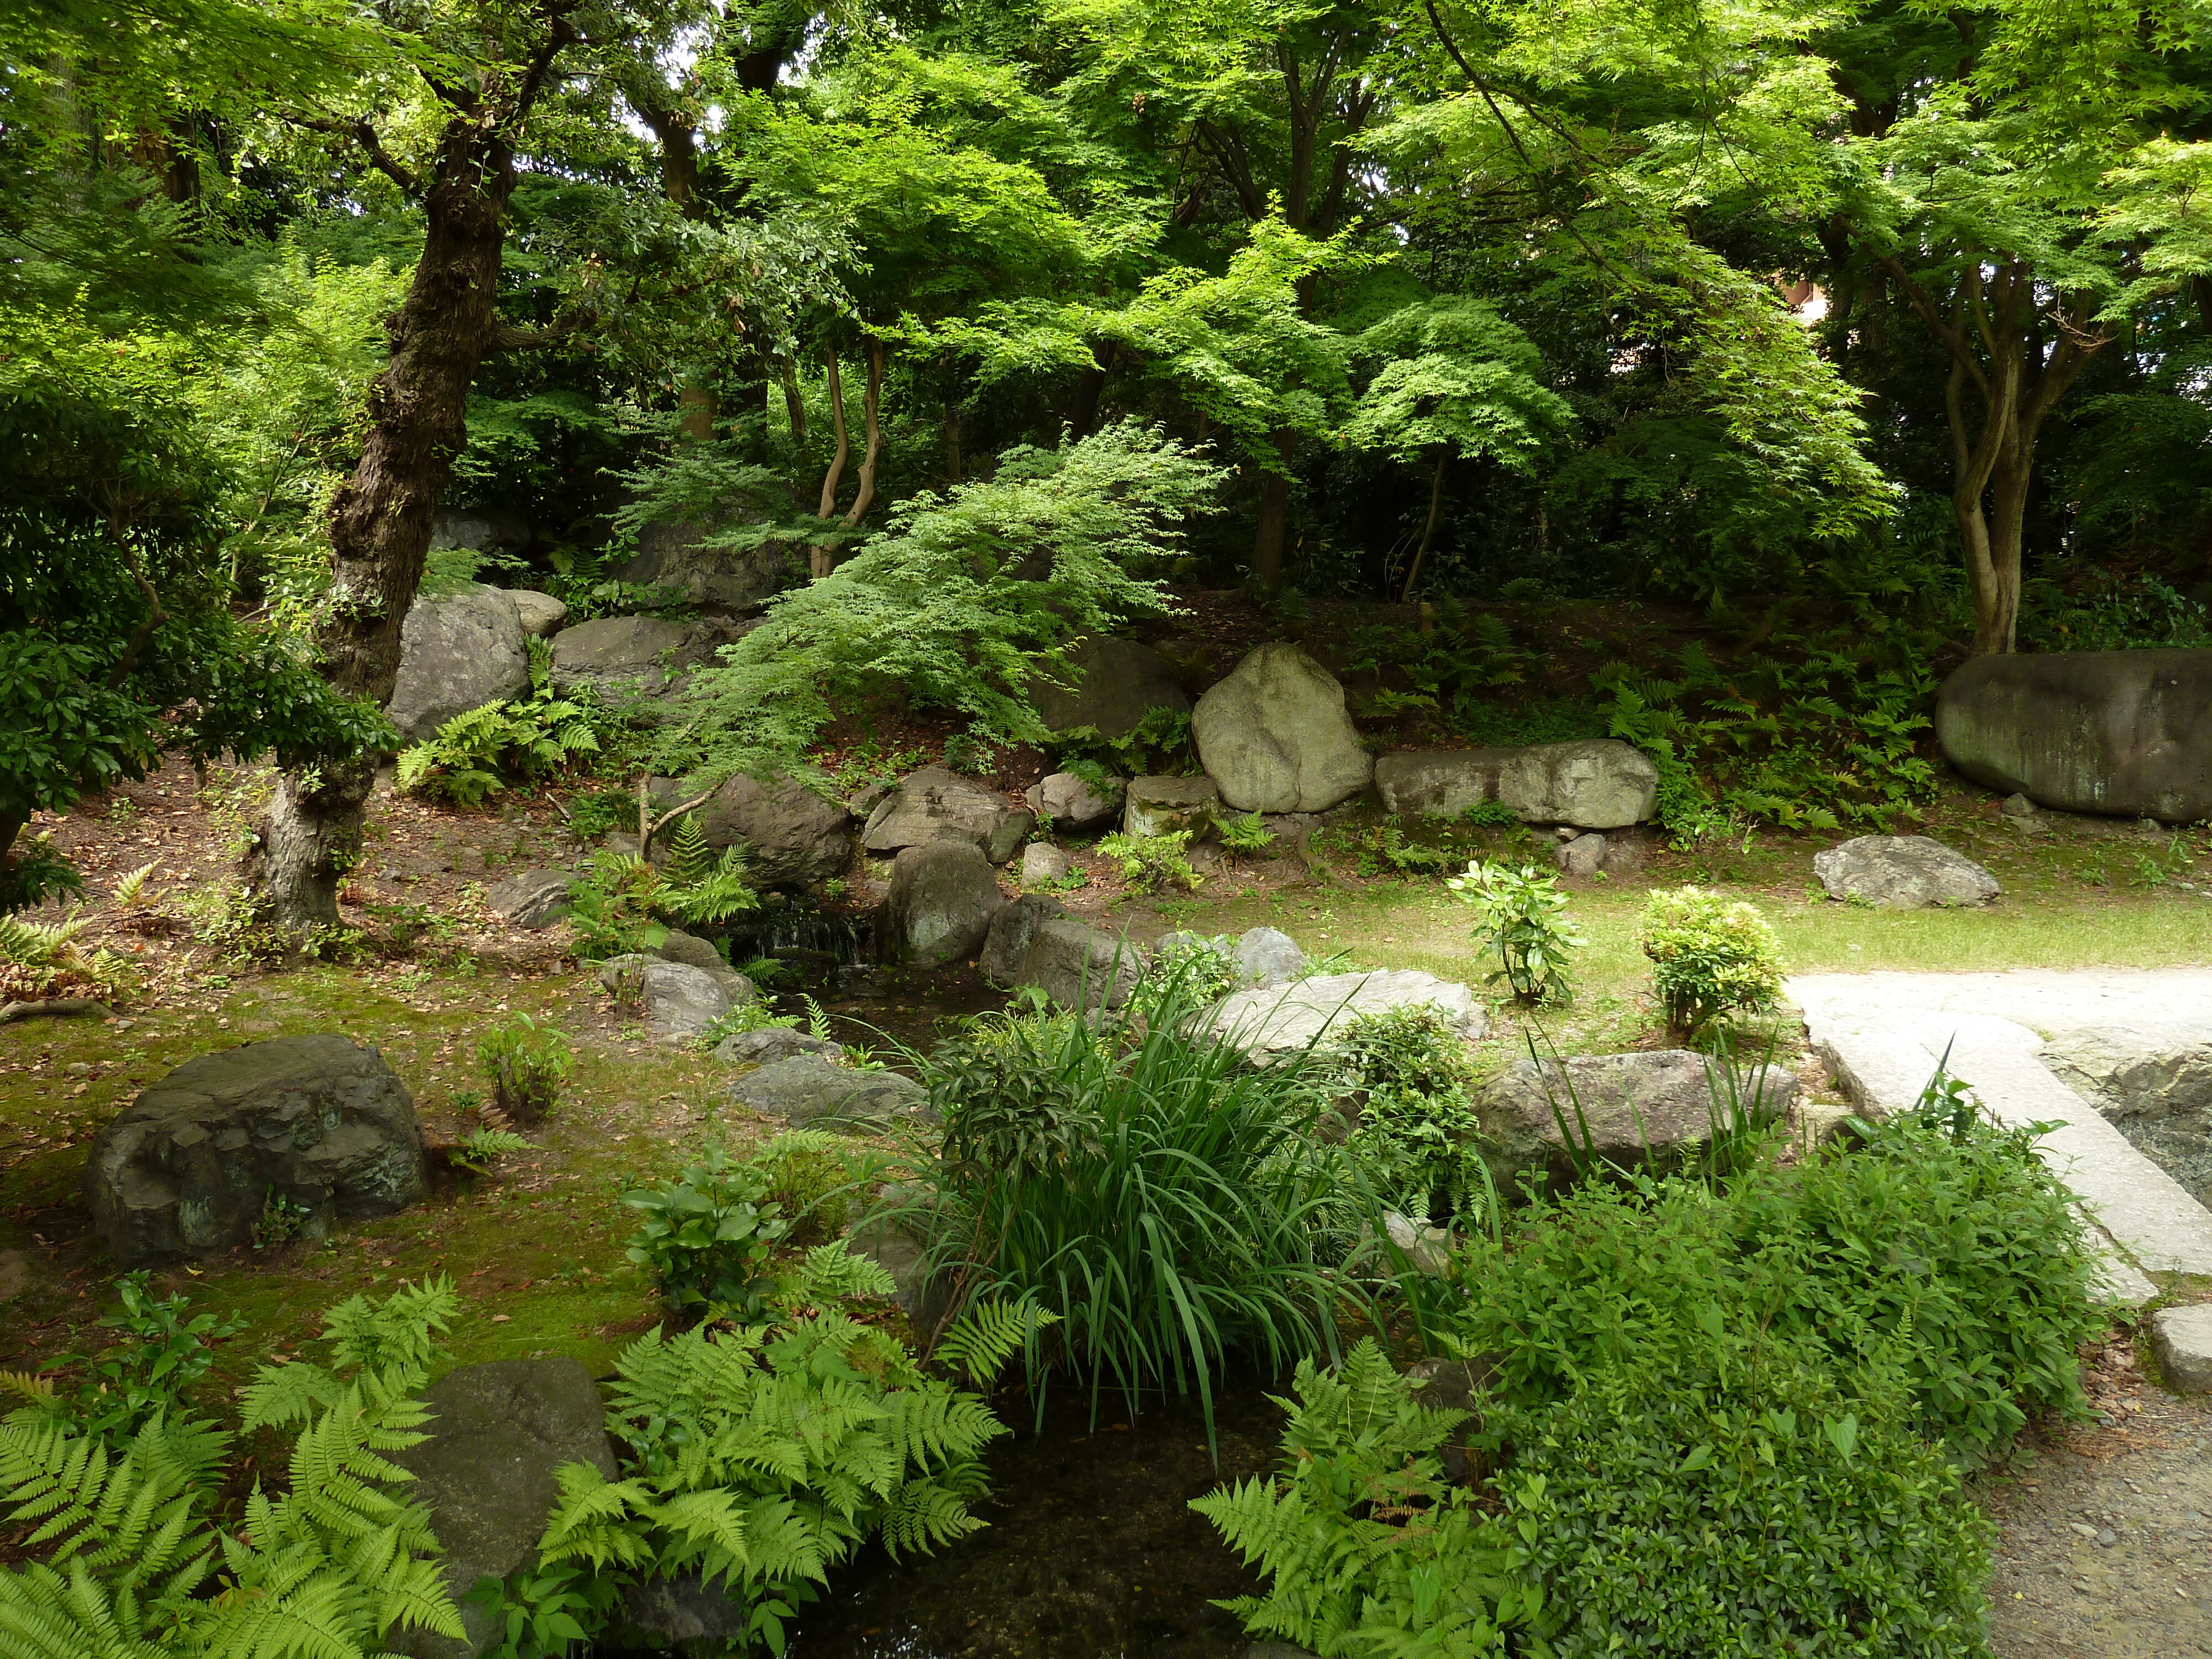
(1883, 1034)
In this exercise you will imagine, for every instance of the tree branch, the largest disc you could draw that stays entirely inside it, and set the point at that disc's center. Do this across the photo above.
(506, 338)
(155, 616)
(359, 129)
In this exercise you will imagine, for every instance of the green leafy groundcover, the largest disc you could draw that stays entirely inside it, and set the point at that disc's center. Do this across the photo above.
(1726, 1422)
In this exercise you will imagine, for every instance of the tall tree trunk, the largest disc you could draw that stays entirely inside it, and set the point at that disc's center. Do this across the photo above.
(381, 517)
(794, 406)
(1083, 416)
(697, 410)
(1273, 521)
(822, 559)
(870, 403)
(1994, 333)
(1428, 530)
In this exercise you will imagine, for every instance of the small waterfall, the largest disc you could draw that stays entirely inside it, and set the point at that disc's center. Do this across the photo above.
(818, 942)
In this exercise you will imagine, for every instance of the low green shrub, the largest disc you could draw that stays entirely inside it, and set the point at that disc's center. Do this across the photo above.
(1417, 1137)
(611, 907)
(163, 1351)
(697, 883)
(811, 1176)
(528, 1065)
(1242, 836)
(707, 1236)
(1520, 916)
(1186, 968)
(476, 754)
(1151, 864)
(1723, 1418)
(1711, 956)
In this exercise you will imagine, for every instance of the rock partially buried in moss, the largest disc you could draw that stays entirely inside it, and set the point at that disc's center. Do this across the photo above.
(1160, 806)
(1903, 872)
(490, 1474)
(1625, 1111)
(1277, 1023)
(674, 999)
(190, 1167)
(808, 1090)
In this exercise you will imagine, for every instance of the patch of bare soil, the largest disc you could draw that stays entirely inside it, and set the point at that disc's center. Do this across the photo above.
(2106, 1544)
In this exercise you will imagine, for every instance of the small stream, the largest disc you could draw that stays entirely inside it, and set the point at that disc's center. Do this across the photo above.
(1092, 1551)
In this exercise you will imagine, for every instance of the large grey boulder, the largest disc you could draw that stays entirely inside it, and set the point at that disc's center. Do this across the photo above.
(490, 1474)
(1276, 736)
(1116, 683)
(1076, 966)
(533, 899)
(769, 1044)
(2127, 733)
(1013, 926)
(695, 952)
(719, 563)
(1042, 863)
(1659, 1108)
(1275, 1022)
(188, 1167)
(1903, 872)
(1076, 806)
(1161, 805)
(455, 654)
(1593, 783)
(792, 837)
(541, 614)
(674, 999)
(632, 661)
(480, 530)
(943, 896)
(811, 1088)
(934, 804)
(1261, 957)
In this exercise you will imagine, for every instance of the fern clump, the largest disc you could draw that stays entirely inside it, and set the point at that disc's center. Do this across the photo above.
(697, 883)
(761, 1459)
(42, 960)
(476, 754)
(1368, 1550)
(126, 1557)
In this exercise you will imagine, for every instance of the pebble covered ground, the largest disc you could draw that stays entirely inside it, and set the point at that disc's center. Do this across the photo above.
(2107, 1547)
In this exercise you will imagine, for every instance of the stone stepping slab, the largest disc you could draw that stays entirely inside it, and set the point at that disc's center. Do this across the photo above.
(1883, 1034)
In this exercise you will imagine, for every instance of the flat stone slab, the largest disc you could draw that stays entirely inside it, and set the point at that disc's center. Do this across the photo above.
(1883, 1034)
(2182, 1339)
(1275, 1022)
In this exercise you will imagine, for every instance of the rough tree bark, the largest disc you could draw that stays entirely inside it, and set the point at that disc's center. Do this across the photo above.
(870, 407)
(1995, 332)
(381, 516)
(821, 560)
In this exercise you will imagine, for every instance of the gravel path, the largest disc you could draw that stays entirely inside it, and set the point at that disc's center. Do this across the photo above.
(2106, 1550)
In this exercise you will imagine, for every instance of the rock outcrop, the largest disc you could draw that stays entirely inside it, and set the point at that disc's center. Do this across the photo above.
(792, 837)
(2125, 733)
(935, 804)
(674, 999)
(188, 1167)
(1277, 1023)
(811, 1090)
(456, 654)
(490, 1473)
(1077, 806)
(533, 899)
(1162, 806)
(1593, 783)
(1903, 872)
(631, 662)
(1118, 682)
(943, 896)
(1033, 941)
(1275, 735)
(1638, 1110)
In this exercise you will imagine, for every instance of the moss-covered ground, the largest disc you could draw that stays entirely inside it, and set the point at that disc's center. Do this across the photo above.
(536, 1246)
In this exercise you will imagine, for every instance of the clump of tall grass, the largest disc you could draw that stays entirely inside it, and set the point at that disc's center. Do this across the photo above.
(1170, 1204)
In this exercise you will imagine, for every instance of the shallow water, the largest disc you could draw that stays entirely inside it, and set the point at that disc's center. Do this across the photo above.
(1092, 1551)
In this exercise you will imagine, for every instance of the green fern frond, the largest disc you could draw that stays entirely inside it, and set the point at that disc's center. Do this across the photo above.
(831, 1274)
(39, 944)
(924, 1515)
(984, 1338)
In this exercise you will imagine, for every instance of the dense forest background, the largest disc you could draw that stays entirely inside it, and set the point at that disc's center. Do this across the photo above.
(1873, 317)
